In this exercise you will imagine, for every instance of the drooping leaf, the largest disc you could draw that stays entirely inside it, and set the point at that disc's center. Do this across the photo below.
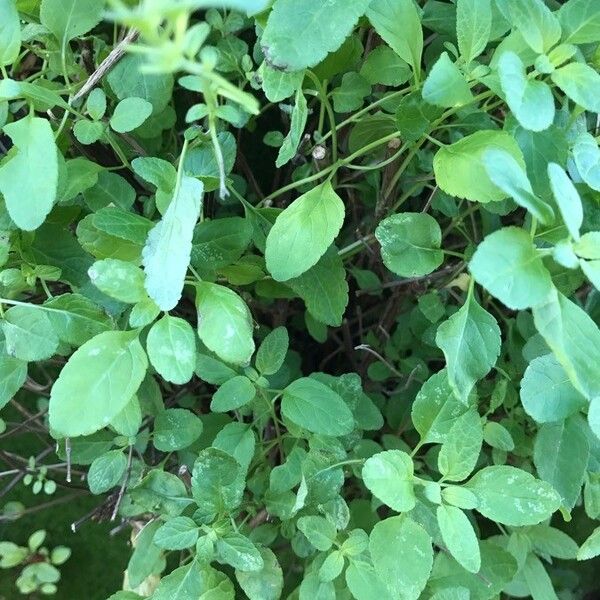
(292, 140)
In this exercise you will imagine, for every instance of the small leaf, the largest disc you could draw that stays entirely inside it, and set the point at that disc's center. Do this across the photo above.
(580, 83)
(106, 471)
(591, 547)
(473, 27)
(176, 428)
(265, 584)
(233, 394)
(272, 351)
(389, 476)
(460, 451)
(303, 232)
(459, 537)
(319, 531)
(68, 19)
(118, 279)
(445, 85)
(238, 551)
(176, 534)
(129, 114)
(10, 32)
(587, 158)
(292, 140)
(567, 198)
(28, 333)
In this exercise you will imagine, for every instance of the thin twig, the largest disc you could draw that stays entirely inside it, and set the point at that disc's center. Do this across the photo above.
(124, 484)
(370, 350)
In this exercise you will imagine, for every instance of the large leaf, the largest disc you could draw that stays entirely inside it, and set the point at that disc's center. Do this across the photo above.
(68, 19)
(580, 83)
(299, 35)
(459, 537)
(402, 555)
(508, 266)
(28, 180)
(470, 340)
(536, 23)
(303, 232)
(265, 584)
(512, 496)
(473, 27)
(166, 255)
(460, 171)
(28, 333)
(580, 21)
(96, 383)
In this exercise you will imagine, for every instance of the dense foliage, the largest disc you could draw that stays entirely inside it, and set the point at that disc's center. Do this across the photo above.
(304, 293)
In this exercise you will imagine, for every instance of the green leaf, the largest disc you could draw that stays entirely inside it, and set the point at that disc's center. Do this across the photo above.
(28, 333)
(238, 551)
(536, 23)
(292, 140)
(512, 496)
(106, 471)
(389, 476)
(580, 83)
(410, 244)
(300, 35)
(175, 428)
(10, 33)
(402, 556)
(265, 584)
(212, 370)
(171, 347)
(459, 537)
(29, 178)
(69, 19)
(316, 408)
(460, 169)
(130, 113)
(574, 339)
(580, 21)
(128, 421)
(324, 288)
(116, 363)
(184, 583)
(176, 534)
(272, 351)
(383, 66)
(13, 373)
(445, 85)
(530, 100)
(303, 232)
(320, 532)
(587, 158)
(166, 255)
(224, 323)
(118, 279)
(591, 547)
(506, 173)
(567, 198)
(473, 27)
(399, 24)
(349, 95)
(560, 455)
(497, 436)
(436, 408)
(508, 266)
(145, 555)
(460, 451)
(279, 85)
(470, 341)
(233, 394)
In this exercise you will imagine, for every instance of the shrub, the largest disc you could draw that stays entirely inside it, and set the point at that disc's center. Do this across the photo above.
(304, 293)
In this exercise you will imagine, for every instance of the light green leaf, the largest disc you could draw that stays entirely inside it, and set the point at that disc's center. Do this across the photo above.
(272, 351)
(459, 537)
(316, 408)
(470, 341)
(13, 373)
(399, 24)
(300, 35)
(233, 394)
(460, 451)
(29, 179)
(580, 83)
(508, 266)
(10, 32)
(363, 582)
(166, 255)
(68, 19)
(116, 364)
(176, 534)
(279, 85)
(292, 140)
(580, 21)
(176, 428)
(591, 547)
(130, 113)
(497, 436)
(319, 531)
(460, 170)
(537, 579)
(224, 323)
(349, 95)
(106, 471)
(389, 476)
(587, 158)
(410, 244)
(265, 584)
(127, 422)
(184, 583)
(536, 23)
(239, 552)
(445, 85)
(574, 339)
(561, 454)
(530, 100)
(383, 66)
(512, 496)
(473, 27)
(118, 279)
(567, 198)
(171, 347)
(303, 232)
(506, 173)
(402, 556)
(324, 288)
(28, 333)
